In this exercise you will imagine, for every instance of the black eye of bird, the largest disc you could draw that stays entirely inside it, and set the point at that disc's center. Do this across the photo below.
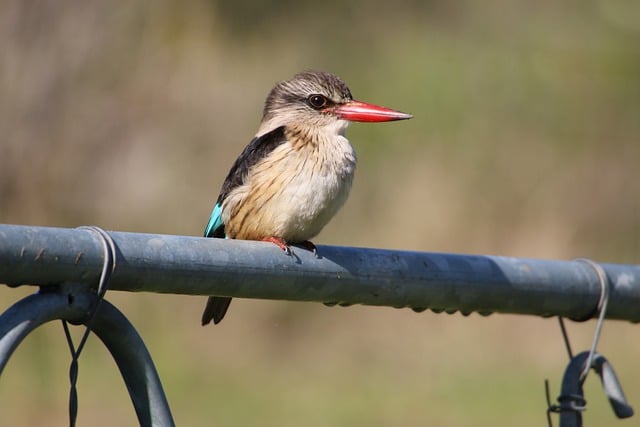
(317, 101)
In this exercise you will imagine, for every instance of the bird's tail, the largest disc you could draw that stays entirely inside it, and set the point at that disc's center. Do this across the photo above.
(215, 310)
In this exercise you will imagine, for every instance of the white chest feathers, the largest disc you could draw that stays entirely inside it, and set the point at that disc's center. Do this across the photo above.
(294, 192)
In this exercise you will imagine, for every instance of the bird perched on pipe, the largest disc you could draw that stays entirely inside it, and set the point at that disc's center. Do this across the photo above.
(296, 172)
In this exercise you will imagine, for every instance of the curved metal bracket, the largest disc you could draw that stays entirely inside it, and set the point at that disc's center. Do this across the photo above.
(72, 303)
(571, 401)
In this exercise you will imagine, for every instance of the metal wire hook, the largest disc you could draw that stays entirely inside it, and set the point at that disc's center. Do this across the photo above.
(108, 266)
(109, 262)
(601, 309)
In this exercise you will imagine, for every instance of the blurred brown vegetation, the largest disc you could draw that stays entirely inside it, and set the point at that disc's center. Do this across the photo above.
(525, 142)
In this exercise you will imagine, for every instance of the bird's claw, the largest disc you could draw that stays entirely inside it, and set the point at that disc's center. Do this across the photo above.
(281, 243)
(310, 246)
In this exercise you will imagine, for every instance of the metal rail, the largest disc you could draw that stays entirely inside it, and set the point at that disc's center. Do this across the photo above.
(341, 275)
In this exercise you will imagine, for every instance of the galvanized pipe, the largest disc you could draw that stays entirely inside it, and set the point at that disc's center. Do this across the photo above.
(342, 275)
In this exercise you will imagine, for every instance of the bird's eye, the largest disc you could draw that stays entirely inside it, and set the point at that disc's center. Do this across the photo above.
(317, 101)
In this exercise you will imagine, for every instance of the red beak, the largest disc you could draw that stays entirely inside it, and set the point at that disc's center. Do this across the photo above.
(356, 111)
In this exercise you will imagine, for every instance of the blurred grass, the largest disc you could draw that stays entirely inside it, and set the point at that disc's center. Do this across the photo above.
(128, 115)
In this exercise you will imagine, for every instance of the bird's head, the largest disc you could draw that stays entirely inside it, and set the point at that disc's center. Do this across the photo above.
(316, 99)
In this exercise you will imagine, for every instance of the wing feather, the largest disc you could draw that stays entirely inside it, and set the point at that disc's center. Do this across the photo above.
(259, 148)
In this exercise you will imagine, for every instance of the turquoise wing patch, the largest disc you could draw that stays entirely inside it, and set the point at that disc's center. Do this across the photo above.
(215, 226)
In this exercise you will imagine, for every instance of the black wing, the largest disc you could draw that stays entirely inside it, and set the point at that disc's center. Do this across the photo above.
(259, 148)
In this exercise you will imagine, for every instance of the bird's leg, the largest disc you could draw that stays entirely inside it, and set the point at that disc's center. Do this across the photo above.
(308, 245)
(281, 243)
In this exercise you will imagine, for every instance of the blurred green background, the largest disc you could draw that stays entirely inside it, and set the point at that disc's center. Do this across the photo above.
(525, 142)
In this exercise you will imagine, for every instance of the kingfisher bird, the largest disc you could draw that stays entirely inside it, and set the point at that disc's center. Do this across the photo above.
(296, 172)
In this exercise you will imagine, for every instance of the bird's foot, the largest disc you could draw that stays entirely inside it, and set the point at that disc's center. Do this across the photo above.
(310, 246)
(281, 243)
